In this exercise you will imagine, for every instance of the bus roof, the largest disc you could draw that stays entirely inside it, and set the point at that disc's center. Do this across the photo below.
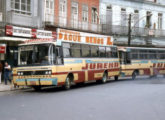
(121, 48)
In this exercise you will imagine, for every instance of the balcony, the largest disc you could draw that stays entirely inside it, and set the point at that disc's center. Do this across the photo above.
(136, 31)
(75, 24)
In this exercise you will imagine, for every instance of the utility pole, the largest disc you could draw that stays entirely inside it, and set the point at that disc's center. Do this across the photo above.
(129, 30)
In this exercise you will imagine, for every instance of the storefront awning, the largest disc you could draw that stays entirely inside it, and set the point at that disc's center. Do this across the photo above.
(14, 39)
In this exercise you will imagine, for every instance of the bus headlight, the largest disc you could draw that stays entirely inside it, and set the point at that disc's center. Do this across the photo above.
(48, 72)
(20, 73)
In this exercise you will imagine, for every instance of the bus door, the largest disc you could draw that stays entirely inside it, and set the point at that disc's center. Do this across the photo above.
(58, 55)
(124, 57)
(125, 61)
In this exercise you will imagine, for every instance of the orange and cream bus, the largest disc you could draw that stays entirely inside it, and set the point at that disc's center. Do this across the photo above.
(74, 57)
(141, 61)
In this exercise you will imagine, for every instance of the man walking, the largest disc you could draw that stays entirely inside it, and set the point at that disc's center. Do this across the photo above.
(7, 69)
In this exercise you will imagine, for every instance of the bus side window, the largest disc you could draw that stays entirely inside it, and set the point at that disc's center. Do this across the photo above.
(59, 56)
(128, 58)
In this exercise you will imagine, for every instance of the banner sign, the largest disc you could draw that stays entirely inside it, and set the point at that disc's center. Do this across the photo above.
(82, 37)
(3, 48)
(28, 32)
(40, 40)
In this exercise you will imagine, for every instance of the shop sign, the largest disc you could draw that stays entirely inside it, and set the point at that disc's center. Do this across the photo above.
(28, 32)
(82, 37)
(45, 34)
(41, 40)
(2, 48)
(24, 32)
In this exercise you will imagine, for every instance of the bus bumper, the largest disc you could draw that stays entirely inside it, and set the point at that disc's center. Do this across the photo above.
(36, 81)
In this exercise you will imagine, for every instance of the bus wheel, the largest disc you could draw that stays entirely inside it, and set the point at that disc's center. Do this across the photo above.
(134, 74)
(105, 77)
(67, 83)
(36, 88)
(116, 77)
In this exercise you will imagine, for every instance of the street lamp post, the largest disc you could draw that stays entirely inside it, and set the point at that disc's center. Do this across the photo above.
(130, 28)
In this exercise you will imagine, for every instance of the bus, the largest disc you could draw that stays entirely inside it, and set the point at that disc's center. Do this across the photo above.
(74, 57)
(141, 61)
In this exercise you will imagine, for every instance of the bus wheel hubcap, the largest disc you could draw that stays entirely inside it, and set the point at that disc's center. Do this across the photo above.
(104, 78)
(67, 84)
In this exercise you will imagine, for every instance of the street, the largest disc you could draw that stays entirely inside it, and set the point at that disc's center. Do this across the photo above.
(140, 99)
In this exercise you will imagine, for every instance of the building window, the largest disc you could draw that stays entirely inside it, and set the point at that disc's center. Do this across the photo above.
(62, 19)
(62, 7)
(123, 17)
(85, 13)
(21, 6)
(136, 18)
(148, 20)
(159, 20)
(49, 10)
(94, 15)
(109, 15)
(74, 15)
(74, 11)
(49, 5)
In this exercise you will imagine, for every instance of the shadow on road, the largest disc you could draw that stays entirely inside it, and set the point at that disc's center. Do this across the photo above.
(139, 80)
(75, 87)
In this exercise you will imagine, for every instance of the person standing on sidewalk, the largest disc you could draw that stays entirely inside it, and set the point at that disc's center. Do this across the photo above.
(7, 70)
(1, 68)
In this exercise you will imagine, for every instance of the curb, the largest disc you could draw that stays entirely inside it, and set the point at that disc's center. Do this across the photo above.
(11, 88)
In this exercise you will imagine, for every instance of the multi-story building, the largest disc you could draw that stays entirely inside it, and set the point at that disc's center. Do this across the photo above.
(144, 18)
(22, 19)
(17, 19)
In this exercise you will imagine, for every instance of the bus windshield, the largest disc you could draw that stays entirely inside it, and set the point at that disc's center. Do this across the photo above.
(40, 54)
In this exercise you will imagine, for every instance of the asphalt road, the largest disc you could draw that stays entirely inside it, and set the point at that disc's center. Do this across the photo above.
(141, 99)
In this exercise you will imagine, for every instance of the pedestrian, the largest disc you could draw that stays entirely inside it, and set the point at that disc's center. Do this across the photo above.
(7, 70)
(1, 68)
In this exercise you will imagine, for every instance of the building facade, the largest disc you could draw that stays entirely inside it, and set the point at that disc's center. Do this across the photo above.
(22, 19)
(73, 14)
(145, 18)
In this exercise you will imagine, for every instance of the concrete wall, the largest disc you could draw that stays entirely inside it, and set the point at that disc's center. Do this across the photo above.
(33, 20)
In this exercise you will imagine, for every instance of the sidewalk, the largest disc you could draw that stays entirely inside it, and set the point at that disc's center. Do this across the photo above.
(5, 87)
(11, 87)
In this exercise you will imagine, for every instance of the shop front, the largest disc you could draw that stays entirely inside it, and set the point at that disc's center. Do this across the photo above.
(16, 35)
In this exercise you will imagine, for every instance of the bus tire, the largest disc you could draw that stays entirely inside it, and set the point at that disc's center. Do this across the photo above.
(37, 88)
(67, 85)
(105, 78)
(134, 74)
(116, 78)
